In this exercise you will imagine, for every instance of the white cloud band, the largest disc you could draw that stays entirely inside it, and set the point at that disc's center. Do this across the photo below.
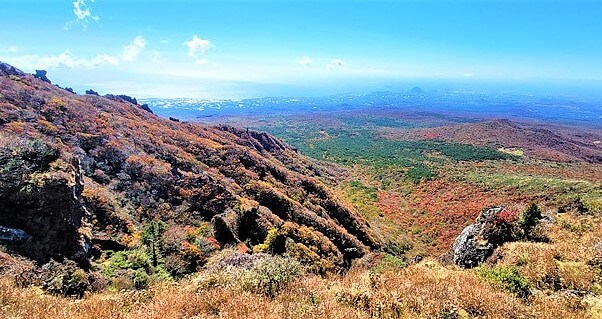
(129, 53)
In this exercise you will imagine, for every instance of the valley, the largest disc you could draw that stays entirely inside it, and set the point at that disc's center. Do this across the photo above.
(423, 175)
(247, 159)
(341, 212)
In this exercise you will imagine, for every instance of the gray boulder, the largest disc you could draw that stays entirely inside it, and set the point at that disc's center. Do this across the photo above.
(473, 246)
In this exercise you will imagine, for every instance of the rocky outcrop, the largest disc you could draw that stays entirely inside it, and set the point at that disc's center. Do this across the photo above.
(494, 227)
(122, 98)
(474, 244)
(6, 69)
(41, 212)
(42, 75)
(249, 226)
(146, 108)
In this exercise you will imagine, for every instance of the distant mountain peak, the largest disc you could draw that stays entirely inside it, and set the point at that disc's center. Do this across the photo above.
(416, 90)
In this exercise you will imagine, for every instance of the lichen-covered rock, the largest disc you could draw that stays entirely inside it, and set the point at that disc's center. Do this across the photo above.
(473, 245)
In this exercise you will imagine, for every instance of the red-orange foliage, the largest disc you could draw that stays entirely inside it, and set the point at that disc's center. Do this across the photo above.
(147, 165)
(506, 217)
(16, 127)
(430, 135)
(437, 211)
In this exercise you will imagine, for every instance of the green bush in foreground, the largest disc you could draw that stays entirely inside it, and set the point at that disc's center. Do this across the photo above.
(507, 278)
(131, 269)
(270, 275)
(257, 273)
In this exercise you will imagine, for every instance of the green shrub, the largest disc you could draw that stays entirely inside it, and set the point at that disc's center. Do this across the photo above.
(127, 259)
(358, 188)
(27, 153)
(388, 262)
(141, 278)
(270, 275)
(258, 273)
(530, 219)
(396, 247)
(273, 237)
(131, 269)
(507, 278)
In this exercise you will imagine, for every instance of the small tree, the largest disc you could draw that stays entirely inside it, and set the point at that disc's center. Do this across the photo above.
(152, 237)
(530, 219)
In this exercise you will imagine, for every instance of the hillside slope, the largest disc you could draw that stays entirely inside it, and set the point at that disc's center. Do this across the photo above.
(81, 174)
(553, 143)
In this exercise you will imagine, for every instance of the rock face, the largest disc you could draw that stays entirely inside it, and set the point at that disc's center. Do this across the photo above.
(474, 244)
(42, 75)
(251, 226)
(122, 97)
(41, 211)
(146, 108)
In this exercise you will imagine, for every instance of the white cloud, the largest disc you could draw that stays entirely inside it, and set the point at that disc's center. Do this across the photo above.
(83, 14)
(468, 75)
(197, 48)
(336, 64)
(81, 10)
(304, 61)
(67, 60)
(131, 51)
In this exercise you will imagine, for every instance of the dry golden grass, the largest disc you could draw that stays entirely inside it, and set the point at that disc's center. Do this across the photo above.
(566, 261)
(428, 289)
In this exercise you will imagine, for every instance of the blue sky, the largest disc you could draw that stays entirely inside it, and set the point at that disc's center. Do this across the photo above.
(224, 48)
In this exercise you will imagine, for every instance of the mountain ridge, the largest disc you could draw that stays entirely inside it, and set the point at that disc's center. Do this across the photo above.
(136, 167)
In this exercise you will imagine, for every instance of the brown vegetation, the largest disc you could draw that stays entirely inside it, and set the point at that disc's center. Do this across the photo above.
(554, 143)
(133, 167)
